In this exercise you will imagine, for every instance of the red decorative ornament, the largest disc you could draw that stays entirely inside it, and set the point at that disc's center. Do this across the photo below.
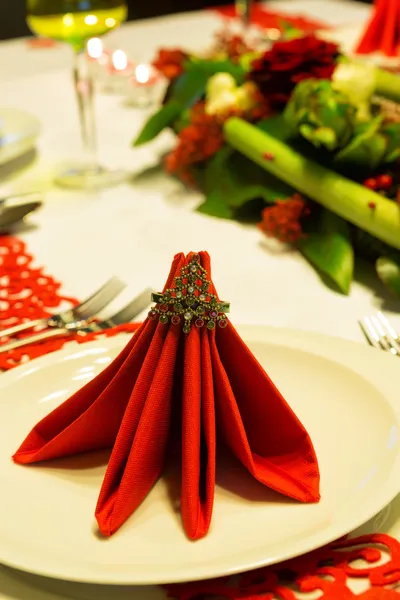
(269, 19)
(28, 293)
(383, 31)
(310, 575)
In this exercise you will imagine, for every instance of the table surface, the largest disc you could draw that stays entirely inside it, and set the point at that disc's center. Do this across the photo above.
(135, 229)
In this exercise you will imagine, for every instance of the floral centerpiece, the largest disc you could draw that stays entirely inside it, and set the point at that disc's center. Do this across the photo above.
(297, 138)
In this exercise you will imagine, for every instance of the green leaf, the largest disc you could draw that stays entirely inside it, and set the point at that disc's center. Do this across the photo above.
(243, 180)
(187, 89)
(330, 250)
(389, 273)
(157, 122)
(211, 67)
(232, 181)
(289, 31)
(215, 205)
(246, 60)
(276, 126)
(367, 148)
(392, 133)
(320, 136)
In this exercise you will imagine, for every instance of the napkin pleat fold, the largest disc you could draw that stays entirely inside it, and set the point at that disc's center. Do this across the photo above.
(258, 425)
(91, 418)
(198, 436)
(138, 455)
(383, 30)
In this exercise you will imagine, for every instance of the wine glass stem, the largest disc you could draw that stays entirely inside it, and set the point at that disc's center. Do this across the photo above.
(84, 88)
(243, 10)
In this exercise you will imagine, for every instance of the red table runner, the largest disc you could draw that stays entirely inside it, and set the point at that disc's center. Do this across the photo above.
(326, 571)
(272, 20)
(28, 292)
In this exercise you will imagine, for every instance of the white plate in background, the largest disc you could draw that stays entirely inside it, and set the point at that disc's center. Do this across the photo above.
(19, 131)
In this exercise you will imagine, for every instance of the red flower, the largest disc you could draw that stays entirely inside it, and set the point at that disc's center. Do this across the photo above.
(281, 68)
(170, 62)
(196, 143)
(283, 220)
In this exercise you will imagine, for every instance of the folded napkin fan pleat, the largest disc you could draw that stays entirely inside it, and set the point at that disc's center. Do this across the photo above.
(187, 374)
(382, 33)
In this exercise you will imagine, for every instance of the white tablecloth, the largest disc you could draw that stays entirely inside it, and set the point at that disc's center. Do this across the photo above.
(135, 229)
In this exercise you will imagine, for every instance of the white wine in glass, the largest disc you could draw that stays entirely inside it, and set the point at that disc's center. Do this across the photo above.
(75, 22)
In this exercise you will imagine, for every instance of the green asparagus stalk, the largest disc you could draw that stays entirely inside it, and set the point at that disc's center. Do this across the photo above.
(368, 210)
(387, 85)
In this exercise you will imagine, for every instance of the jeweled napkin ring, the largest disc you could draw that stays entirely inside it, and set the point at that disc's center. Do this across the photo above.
(190, 300)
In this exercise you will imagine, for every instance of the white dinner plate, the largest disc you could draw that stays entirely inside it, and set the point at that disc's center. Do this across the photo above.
(18, 133)
(345, 394)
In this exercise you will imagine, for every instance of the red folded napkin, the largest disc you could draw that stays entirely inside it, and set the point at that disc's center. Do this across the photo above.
(383, 31)
(185, 375)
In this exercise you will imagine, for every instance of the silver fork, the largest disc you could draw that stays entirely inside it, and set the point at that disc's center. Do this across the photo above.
(127, 314)
(380, 333)
(83, 312)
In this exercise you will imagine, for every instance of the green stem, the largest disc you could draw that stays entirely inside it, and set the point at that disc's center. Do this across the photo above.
(387, 85)
(342, 196)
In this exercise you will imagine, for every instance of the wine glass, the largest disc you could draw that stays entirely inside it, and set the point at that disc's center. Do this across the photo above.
(243, 11)
(75, 22)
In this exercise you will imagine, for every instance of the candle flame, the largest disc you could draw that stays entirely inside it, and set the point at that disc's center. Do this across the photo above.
(91, 20)
(142, 73)
(95, 48)
(119, 60)
(68, 20)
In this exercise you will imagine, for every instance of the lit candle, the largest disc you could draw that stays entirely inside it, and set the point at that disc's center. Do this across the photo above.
(120, 69)
(98, 58)
(144, 85)
(119, 62)
(143, 75)
(95, 49)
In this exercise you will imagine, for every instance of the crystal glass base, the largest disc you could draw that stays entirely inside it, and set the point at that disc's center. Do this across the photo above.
(84, 177)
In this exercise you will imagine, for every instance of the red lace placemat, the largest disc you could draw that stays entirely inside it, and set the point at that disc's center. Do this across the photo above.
(272, 20)
(373, 559)
(27, 293)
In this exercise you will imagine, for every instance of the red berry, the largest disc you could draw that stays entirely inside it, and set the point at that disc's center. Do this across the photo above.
(268, 156)
(384, 182)
(371, 205)
(371, 183)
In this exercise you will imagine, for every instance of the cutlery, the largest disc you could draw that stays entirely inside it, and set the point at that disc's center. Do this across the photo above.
(85, 311)
(15, 208)
(380, 333)
(127, 314)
